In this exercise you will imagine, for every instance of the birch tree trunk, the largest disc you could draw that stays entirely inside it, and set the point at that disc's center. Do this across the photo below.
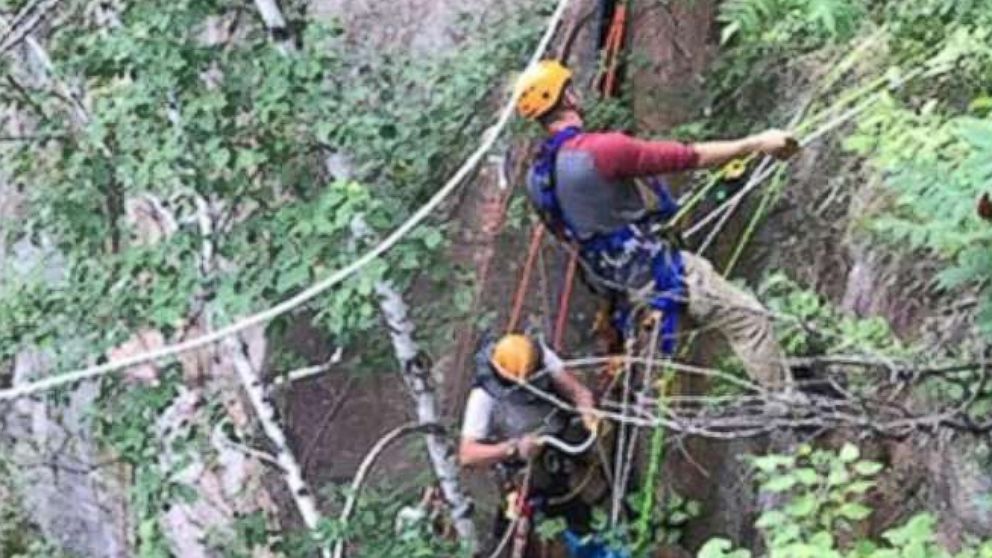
(276, 23)
(415, 368)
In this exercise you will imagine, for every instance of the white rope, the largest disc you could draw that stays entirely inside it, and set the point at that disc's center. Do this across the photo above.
(563, 446)
(489, 139)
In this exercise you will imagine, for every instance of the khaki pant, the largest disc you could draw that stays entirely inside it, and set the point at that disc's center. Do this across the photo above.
(716, 302)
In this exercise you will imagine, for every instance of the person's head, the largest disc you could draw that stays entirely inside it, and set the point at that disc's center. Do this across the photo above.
(514, 358)
(546, 95)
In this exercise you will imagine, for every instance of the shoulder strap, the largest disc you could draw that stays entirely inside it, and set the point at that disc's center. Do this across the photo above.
(544, 175)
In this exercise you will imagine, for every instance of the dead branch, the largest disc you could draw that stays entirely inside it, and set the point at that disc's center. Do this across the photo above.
(365, 467)
(266, 414)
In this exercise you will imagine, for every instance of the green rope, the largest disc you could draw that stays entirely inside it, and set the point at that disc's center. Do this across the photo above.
(694, 200)
(657, 456)
(771, 196)
(658, 438)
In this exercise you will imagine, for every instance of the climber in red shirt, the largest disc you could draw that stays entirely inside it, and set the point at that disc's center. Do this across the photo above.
(583, 185)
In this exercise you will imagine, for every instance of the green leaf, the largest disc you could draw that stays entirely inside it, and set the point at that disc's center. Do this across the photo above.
(868, 468)
(433, 238)
(807, 476)
(770, 519)
(802, 507)
(769, 463)
(721, 548)
(838, 476)
(918, 529)
(858, 487)
(780, 483)
(823, 540)
(849, 453)
(854, 511)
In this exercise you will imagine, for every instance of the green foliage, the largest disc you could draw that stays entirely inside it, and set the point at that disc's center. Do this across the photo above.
(821, 327)
(665, 525)
(238, 124)
(126, 422)
(612, 113)
(938, 165)
(179, 114)
(380, 528)
(246, 536)
(820, 497)
(822, 491)
(810, 325)
(796, 24)
(929, 141)
(759, 39)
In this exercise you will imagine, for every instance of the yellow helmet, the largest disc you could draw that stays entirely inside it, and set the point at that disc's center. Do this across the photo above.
(514, 357)
(540, 88)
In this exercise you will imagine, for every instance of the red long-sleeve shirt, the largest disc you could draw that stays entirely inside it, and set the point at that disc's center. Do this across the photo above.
(618, 156)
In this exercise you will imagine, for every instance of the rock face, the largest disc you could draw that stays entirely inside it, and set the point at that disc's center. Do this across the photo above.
(74, 491)
(423, 26)
(227, 478)
(961, 474)
(77, 493)
(677, 38)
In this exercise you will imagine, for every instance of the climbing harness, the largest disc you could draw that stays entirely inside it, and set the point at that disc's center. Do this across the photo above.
(619, 255)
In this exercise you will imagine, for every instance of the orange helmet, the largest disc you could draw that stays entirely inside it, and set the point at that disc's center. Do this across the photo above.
(540, 88)
(514, 357)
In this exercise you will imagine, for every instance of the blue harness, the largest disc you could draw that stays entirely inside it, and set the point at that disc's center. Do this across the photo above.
(612, 255)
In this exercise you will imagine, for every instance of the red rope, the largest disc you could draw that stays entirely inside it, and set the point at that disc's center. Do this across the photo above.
(518, 299)
(564, 302)
(613, 46)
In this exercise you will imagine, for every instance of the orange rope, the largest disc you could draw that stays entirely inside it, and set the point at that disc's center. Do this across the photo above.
(518, 299)
(613, 46)
(563, 303)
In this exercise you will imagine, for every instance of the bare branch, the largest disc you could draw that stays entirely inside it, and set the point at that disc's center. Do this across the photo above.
(365, 467)
(266, 414)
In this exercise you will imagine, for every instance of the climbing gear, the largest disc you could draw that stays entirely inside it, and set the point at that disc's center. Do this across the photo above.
(612, 46)
(734, 170)
(541, 87)
(515, 357)
(567, 448)
(623, 254)
(564, 300)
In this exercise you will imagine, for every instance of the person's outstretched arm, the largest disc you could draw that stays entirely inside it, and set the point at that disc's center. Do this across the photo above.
(619, 156)
(777, 143)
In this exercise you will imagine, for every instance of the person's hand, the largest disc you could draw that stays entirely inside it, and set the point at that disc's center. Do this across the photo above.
(590, 421)
(777, 143)
(528, 446)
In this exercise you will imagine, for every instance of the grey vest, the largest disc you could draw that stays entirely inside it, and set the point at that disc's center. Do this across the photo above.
(592, 204)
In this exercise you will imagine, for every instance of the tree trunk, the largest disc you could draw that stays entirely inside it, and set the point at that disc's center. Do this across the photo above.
(415, 368)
